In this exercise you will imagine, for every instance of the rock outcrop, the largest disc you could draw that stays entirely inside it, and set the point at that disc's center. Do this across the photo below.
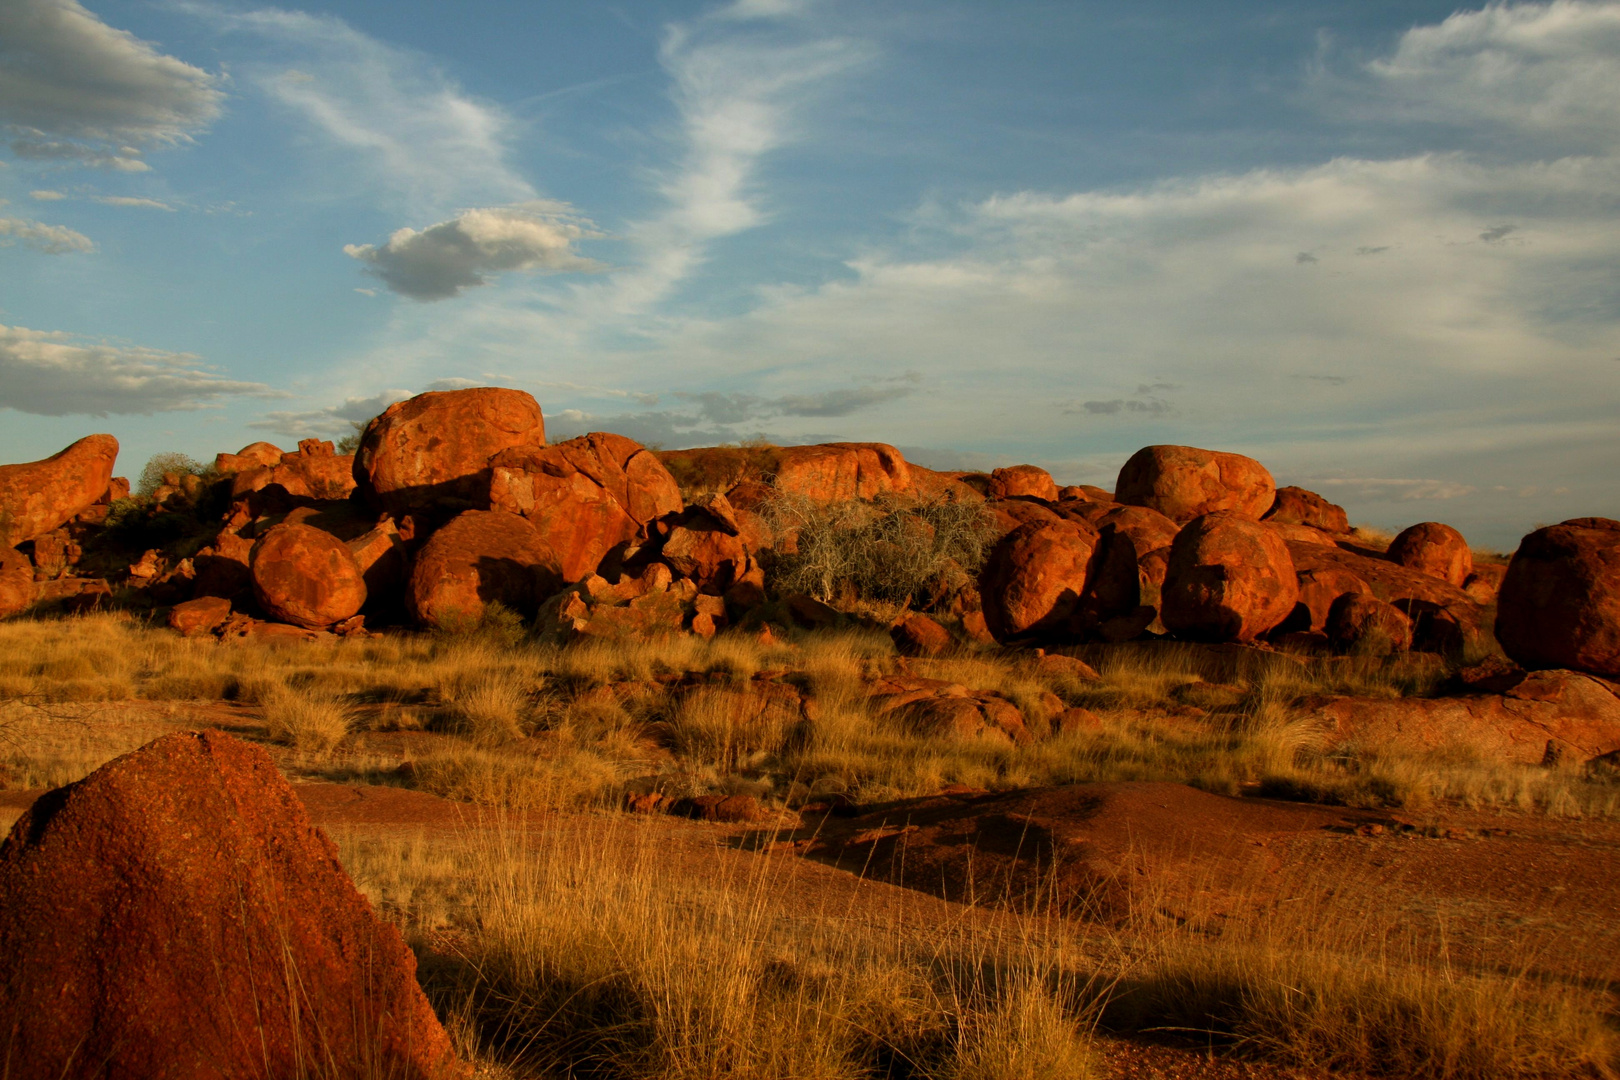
(42, 495)
(1432, 548)
(1230, 578)
(1123, 596)
(1184, 482)
(1297, 506)
(1027, 481)
(481, 557)
(585, 496)
(205, 614)
(1560, 601)
(175, 914)
(826, 472)
(1034, 578)
(307, 577)
(430, 454)
(1444, 618)
(314, 471)
(251, 456)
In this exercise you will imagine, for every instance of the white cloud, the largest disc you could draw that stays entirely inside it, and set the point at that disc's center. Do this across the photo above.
(443, 259)
(51, 374)
(50, 239)
(128, 200)
(336, 421)
(1403, 489)
(65, 74)
(46, 196)
(413, 129)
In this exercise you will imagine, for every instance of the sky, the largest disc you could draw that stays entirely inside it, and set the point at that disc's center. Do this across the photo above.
(1373, 244)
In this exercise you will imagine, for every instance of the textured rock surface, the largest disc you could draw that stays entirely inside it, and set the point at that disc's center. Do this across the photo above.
(1229, 578)
(16, 582)
(1443, 616)
(1035, 576)
(1028, 481)
(251, 456)
(1362, 623)
(1432, 548)
(1297, 506)
(39, 496)
(200, 616)
(176, 915)
(947, 710)
(306, 577)
(1122, 598)
(432, 452)
(481, 557)
(380, 554)
(918, 635)
(1184, 482)
(1559, 605)
(314, 471)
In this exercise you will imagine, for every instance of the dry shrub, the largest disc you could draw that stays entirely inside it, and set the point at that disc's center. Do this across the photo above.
(1027, 1035)
(569, 778)
(307, 720)
(492, 710)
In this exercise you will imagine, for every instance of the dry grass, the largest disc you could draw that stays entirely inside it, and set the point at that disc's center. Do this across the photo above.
(306, 720)
(585, 952)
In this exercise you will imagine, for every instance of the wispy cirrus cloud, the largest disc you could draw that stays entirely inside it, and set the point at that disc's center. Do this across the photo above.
(48, 239)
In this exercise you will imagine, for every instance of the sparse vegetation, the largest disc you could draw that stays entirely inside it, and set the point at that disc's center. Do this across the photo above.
(168, 462)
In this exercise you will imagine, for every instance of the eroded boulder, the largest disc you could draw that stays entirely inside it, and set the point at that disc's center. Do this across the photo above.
(1028, 481)
(1184, 482)
(314, 471)
(431, 453)
(307, 577)
(39, 496)
(1035, 576)
(1432, 548)
(481, 557)
(17, 589)
(1559, 604)
(176, 914)
(1229, 578)
(1297, 506)
(1361, 623)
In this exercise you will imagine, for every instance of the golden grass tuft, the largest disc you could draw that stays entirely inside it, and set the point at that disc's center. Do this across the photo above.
(306, 720)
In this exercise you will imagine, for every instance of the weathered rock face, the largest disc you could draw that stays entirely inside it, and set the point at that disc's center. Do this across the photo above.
(585, 496)
(828, 472)
(380, 554)
(200, 616)
(306, 577)
(918, 635)
(1028, 481)
(222, 567)
(928, 484)
(481, 557)
(1443, 616)
(634, 608)
(706, 547)
(1230, 578)
(1011, 513)
(1035, 576)
(1122, 599)
(250, 456)
(948, 710)
(175, 914)
(1297, 506)
(1560, 602)
(1318, 589)
(432, 452)
(43, 495)
(314, 471)
(1184, 482)
(16, 582)
(1362, 623)
(1432, 548)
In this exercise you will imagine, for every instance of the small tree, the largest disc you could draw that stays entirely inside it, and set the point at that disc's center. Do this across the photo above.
(169, 461)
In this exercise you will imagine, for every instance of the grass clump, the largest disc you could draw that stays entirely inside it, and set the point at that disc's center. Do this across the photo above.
(306, 720)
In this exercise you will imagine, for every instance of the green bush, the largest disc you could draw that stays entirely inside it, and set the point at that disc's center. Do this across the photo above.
(167, 462)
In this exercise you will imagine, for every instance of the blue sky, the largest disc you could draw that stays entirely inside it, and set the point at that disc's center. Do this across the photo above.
(1373, 244)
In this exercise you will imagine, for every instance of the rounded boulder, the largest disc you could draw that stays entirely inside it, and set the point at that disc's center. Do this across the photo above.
(1023, 481)
(306, 576)
(1184, 482)
(1358, 622)
(481, 557)
(1559, 606)
(39, 496)
(1035, 576)
(1434, 549)
(432, 451)
(1229, 578)
(1297, 506)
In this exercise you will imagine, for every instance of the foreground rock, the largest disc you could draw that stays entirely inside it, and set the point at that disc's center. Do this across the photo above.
(1035, 576)
(1230, 578)
(176, 915)
(42, 495)
(481, 557)
(431, 453)
(307, 577)
(1432, 548)
(1559, 604)
(1184, 482)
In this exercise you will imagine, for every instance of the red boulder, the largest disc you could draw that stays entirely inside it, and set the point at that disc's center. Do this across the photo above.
(1296, 506)
(200, 616)
(1184, 482)
(1028, 481)
(1559, 606)
(1358, 622)
(175, 914)
(1432, 548)
(432, 452)
(17, 589)
(1035, 576)
(42, 495)
(307, 577)
(481, 557)
(1230, 578)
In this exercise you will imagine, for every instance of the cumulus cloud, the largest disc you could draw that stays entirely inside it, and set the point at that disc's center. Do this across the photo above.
(336, 421)
(46, 196)
(52, 374)
(129, 200)
(1402, 489)
(66, 75)
(443, 259)
(50, 239)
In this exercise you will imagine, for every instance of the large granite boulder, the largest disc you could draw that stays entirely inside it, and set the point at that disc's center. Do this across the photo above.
(42, 495)
(175, 914)
(481, 557)
(17, 589)
(1559, 605)
(1230, 578)
(1027, 481)
(1297, 506)
(1184, 482)
(430, 454)
(1035, 576)
(1432, 548)
(305, 576)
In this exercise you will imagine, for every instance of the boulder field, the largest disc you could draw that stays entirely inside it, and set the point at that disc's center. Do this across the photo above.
(454, 501)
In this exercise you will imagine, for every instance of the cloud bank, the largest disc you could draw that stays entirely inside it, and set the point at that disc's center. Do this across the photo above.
(50, 239)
